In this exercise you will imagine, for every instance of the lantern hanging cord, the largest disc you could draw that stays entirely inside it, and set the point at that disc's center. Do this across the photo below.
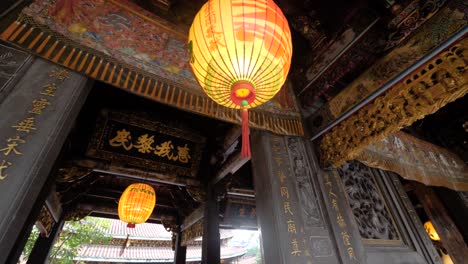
(245, 152)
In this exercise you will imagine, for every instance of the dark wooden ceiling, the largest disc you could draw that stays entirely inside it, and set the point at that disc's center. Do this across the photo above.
(316, 27)
(93, 185)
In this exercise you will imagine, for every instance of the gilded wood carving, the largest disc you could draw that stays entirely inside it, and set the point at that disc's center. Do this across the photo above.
(423, 92)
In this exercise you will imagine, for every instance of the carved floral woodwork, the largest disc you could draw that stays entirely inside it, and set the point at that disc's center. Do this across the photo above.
(197, 193)
(372, 216)
(45, 222)
(423, 92)
(73, 174)
(194, 231)
(444, 25)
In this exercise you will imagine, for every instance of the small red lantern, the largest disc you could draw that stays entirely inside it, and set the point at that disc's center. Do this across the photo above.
(136, 204)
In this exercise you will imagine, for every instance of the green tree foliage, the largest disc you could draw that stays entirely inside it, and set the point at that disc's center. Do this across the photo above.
(30, 244)
(74, 234)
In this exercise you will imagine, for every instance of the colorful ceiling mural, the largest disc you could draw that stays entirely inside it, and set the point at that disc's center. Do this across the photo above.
(118, 42)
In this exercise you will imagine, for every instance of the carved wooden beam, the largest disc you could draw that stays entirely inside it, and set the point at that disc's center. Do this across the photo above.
(423, 92)
(109, 210)
(135, 173)
(231, 137)
(230, 160)
(233, 163)
(193, 218)
(100, 194)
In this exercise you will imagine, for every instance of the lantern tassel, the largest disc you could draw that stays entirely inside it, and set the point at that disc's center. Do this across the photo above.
(245, 152)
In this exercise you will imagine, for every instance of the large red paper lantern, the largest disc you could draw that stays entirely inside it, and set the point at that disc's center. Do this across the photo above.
(240, 53)
(136, 204)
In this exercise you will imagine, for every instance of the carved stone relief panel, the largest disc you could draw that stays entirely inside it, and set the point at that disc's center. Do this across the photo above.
(365, 199)
(305, 190)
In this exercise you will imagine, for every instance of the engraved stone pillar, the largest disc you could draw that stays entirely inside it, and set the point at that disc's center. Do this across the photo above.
(294, 227)
(36, 118)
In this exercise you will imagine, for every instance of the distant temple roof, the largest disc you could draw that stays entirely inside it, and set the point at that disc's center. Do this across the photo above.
(147, 231)
(143, 253)
(111, 253)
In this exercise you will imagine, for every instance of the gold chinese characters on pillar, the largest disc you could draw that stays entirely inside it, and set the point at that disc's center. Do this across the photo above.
(139, 142)
(12, 147)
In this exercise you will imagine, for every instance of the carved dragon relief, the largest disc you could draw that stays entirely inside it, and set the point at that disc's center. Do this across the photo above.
(372, 217)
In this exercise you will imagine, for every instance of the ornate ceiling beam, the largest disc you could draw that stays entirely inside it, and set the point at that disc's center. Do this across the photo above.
(232, 164)
(109, 210)
(135, 173)
(193, 218)
(100, 194)
(423, 91)
(228, 160)
(429, 40)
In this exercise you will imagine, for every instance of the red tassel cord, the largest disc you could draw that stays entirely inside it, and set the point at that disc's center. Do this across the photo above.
(245, 152)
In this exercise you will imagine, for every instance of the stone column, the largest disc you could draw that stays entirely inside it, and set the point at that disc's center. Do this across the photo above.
(290, 211)
(36, 117)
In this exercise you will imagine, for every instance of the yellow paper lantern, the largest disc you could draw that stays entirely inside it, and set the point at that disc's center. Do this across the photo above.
(136, 204)
(446, 259)
(431, 231)
(240, 53)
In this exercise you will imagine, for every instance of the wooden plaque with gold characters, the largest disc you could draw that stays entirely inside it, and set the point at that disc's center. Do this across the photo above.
(137, 141)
